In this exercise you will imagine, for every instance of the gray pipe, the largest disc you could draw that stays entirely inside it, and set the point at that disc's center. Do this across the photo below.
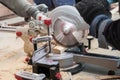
(21, 7)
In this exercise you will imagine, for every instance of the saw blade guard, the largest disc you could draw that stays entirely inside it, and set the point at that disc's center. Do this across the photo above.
(68, 27)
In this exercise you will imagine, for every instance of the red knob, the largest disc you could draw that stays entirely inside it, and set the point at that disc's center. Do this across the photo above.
(31, 38)
(27, 59)
(18, 77)
(58, 76)
(47, 21)
(19, 33)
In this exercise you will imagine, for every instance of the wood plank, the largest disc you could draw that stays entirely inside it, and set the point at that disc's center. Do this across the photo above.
(110, 77)
(12, 20)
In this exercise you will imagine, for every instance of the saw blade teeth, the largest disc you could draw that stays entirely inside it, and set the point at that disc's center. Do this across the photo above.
(60, 37)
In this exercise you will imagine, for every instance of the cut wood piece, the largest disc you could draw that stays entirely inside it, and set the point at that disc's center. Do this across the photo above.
(58, 49)
(109, 77)
(13, 21)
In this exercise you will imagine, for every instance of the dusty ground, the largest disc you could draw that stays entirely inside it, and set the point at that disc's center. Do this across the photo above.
(12, 60)
(11, 56)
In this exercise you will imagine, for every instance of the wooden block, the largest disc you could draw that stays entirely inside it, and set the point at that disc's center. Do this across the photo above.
(58, 49)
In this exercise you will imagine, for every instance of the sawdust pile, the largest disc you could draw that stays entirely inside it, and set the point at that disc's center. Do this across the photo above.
(11, 56)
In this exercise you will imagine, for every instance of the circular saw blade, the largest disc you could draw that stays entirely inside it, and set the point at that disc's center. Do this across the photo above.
(65, 39)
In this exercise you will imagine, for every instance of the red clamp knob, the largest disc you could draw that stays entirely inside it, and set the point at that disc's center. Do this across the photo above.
(58, 76)
(31, 38)
(47, 21)
(19, 33)
(18, 77)
(27, 59)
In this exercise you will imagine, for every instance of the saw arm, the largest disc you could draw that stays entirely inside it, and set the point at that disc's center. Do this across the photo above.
(25, 9)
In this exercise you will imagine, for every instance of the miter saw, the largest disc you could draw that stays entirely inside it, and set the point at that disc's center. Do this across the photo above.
(66, 26)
